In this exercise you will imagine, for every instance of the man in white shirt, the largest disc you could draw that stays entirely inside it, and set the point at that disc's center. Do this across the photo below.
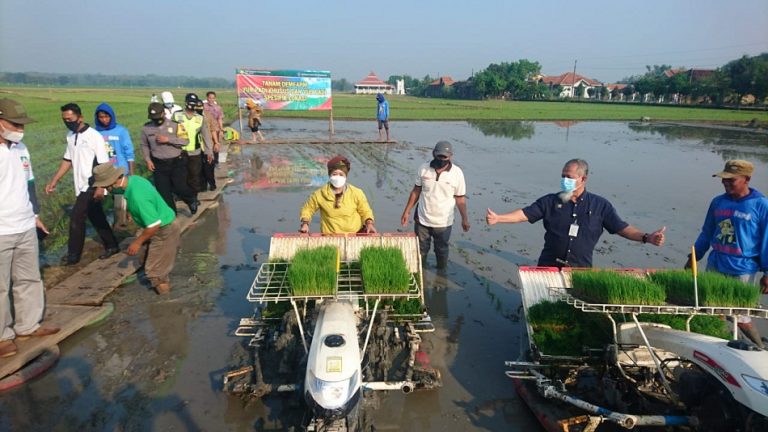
(85, 149)
(19, 264)
(440, 188)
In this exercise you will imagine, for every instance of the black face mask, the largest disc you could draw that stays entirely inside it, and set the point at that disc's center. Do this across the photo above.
(438, 163)
(159, 121)
(74, 126)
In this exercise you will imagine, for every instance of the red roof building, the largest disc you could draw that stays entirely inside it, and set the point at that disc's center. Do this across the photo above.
(371, 84)
(569, 81)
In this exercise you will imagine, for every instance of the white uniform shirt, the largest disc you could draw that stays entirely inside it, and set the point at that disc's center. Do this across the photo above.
(82, 149)
(16, 213)
(437, 200)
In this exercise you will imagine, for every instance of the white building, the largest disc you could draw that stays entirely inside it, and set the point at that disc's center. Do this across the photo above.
(372, 85)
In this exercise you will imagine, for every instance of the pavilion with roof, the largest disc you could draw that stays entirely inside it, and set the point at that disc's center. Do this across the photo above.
(372, 85)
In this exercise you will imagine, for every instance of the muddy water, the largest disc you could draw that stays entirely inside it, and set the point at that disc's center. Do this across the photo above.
(157, 362)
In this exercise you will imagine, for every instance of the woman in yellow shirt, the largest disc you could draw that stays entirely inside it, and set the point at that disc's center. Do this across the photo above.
(343, 207)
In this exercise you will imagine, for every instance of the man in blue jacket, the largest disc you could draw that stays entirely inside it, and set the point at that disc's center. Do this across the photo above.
(736, 229)
(382, 114)
(119, 150)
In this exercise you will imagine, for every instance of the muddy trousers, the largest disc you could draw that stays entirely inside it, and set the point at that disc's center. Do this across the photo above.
(209, 176)
(170, 177)
(159, 254)
(86, 207)
(426, 235)
(20, 279)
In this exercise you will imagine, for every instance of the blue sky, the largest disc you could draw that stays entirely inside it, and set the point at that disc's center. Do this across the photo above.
(610, 39)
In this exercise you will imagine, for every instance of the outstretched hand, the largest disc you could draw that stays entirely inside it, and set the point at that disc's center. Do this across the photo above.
(491, 218)
(657, 237)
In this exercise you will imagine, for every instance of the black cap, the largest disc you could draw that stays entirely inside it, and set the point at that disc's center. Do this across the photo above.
(156, 111)
(443, 148)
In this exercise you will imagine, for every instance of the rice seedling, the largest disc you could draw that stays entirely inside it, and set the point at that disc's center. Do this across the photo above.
(314, 271)
(384, 270)
(603, 286)
(561, 329)
(702, 324)
(715, 289)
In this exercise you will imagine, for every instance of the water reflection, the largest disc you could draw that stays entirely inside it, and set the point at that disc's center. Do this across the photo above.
(747, 143)
(295, 172)
(517, 130)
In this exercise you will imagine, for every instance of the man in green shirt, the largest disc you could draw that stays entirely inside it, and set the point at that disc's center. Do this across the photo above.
(148, 209)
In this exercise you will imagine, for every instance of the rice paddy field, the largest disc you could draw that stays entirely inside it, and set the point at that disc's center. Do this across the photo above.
(45, 138)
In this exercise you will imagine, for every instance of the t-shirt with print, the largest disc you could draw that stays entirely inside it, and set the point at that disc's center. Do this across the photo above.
(437, 201)
(145, 204)
(85, 149)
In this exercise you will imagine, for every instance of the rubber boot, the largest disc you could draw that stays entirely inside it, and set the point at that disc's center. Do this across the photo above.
(751, 332)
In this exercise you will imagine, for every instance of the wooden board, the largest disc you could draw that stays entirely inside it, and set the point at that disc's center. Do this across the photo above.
(316, 141)
(92, 284)
(69, 318)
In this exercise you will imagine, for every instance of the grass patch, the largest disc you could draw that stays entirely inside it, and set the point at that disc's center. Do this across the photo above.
(603, 286)
(715, 289)
(702, 324)
(314, 271)
(384, 270)
(561, 329)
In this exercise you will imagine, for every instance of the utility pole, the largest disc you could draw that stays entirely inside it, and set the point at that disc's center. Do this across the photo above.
(573, 84)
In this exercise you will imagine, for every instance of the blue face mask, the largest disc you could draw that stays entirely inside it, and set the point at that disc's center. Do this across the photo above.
(567, 184)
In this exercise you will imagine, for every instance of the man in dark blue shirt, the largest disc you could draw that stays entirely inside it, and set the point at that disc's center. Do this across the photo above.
(574, 220)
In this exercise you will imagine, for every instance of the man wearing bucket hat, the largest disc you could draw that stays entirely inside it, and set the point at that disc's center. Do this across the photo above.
(736, 229)
(440, 189)
(19, 266)
(343, 207)
(150, 212)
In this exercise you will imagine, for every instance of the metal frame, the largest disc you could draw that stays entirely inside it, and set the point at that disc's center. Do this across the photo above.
(271, 285)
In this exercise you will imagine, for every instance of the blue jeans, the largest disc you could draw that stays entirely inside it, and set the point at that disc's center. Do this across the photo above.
(441, 237)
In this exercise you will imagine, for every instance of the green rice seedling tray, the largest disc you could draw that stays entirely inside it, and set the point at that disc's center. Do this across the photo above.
(384, 270)
(561, 330)
(714, 289)
(314, 271)
(605, 286)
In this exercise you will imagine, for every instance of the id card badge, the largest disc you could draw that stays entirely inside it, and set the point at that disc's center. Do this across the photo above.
(573, 231)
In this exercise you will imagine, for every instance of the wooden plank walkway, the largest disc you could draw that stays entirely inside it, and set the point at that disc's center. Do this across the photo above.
(317, 141)
(76, 301)
(92, 284)
(68, 318)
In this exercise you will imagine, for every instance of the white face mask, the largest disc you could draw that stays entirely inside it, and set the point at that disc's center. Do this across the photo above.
(338, 181)
(12, 136)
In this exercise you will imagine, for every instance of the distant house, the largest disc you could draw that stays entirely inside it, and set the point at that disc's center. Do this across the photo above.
(568, 82)
(615, 91)
(436, 87)
(372, 85)
(694, 75)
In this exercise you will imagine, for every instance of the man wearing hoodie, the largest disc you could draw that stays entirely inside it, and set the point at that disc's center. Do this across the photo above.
(119, 150)
(382, 114)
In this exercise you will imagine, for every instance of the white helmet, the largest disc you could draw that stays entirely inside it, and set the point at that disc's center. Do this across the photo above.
(167, 97)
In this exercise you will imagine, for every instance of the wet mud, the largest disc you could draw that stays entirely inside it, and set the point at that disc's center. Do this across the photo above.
(157, 362)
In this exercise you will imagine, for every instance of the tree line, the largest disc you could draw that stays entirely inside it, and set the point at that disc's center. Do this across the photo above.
(100, 80)
(742, 79)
